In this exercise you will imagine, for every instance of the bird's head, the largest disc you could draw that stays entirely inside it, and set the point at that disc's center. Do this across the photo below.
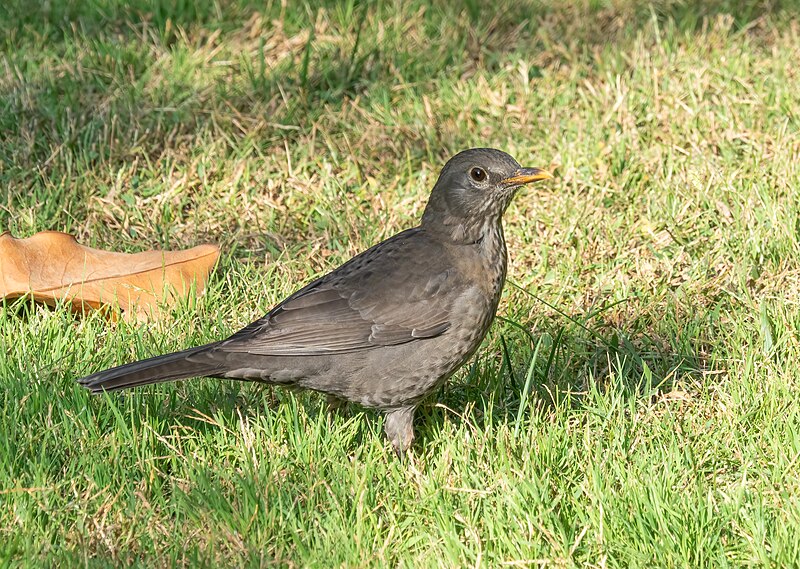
(474, 189)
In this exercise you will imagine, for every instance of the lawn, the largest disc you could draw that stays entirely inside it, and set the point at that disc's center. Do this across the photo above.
(635, 404)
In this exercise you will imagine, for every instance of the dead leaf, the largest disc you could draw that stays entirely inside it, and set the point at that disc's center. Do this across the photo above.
(51, 266)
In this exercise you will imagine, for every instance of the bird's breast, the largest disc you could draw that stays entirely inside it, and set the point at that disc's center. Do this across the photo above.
(495, 261)
(476, 306)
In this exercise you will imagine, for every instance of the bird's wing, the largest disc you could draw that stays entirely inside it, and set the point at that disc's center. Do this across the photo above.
(390, 294)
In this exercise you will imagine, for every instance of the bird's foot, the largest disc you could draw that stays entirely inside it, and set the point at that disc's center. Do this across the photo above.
(399, 427)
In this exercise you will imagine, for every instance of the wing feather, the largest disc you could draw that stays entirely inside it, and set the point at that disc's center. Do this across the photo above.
(388, 295)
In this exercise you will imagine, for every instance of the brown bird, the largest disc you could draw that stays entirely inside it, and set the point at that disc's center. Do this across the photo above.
(389, 325)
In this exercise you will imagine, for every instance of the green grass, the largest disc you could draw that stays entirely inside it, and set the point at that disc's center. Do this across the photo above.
(634, 406)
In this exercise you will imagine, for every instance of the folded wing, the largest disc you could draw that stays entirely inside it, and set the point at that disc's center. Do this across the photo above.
(356, 306)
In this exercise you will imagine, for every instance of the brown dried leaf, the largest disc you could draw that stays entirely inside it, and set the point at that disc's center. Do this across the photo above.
(51, 266)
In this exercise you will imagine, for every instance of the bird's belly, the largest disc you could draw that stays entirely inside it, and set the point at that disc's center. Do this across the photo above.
(394, 376)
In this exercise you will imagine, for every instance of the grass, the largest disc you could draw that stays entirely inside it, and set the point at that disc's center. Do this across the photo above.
(636, 402)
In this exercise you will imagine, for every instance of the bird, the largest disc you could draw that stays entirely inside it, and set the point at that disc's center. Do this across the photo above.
(386, 328)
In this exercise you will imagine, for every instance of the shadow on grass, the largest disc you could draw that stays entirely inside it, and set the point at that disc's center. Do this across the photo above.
(559, 368)
(89, 88)
(103, 42)
(102, 18)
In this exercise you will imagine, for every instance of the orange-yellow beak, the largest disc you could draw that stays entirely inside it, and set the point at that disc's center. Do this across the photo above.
(526, 176)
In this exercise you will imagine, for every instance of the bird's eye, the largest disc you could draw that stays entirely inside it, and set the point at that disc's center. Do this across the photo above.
(478, 174)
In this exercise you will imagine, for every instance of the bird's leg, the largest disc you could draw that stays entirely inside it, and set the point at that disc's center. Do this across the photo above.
(399, 427)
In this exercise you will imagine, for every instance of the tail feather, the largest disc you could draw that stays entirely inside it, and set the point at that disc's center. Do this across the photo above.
(168, 367)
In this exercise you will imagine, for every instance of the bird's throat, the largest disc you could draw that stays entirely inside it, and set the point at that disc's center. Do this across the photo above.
(485, 230)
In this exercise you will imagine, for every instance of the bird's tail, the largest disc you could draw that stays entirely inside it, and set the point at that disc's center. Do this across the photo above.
(170, 367)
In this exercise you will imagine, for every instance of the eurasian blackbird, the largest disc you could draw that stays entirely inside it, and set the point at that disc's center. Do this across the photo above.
(389, 325)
